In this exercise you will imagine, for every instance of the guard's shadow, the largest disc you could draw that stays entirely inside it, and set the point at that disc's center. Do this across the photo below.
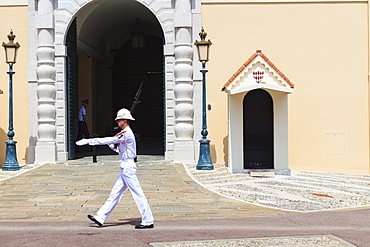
(132, 221)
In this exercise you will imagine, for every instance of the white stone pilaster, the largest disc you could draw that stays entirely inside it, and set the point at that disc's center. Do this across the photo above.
(183, 72)
(46, 91)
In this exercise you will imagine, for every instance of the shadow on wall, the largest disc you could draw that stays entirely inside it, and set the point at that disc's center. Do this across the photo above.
(3, 139)
(225, 149)
(212, 150)
(30, 151)
(214, 153)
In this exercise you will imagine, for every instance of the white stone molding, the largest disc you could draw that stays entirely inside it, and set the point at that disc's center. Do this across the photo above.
(46, 91)
(170, 100)
(13, 3)
(184, 109)
(64, 15)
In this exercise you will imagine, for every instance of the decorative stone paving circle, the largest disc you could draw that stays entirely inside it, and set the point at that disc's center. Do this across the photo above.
(302, 191)
(306, 241)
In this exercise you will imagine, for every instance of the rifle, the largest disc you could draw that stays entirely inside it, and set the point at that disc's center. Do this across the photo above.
(133, 107)
(136, 98)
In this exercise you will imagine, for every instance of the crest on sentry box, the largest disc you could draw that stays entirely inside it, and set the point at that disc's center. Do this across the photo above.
(258, 72)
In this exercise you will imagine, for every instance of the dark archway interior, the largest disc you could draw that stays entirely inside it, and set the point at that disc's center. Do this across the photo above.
(131, 67)
(258, 130)
(110, 71)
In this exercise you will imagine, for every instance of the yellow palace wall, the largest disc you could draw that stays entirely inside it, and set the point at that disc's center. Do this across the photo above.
(323, 49)
(15, 18)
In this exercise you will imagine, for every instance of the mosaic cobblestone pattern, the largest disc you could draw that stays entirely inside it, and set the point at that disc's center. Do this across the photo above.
(304, 241)
(302, 192)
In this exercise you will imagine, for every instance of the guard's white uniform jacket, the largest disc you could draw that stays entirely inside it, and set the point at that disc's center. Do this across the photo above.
(123, 143)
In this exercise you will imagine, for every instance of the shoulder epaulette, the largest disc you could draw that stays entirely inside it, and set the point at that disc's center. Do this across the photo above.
(120, 134)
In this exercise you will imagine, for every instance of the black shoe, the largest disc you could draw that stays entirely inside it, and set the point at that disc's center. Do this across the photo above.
(94, 220)
(144, 226)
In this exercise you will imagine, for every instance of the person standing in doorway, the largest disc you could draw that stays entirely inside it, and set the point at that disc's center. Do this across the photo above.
(123, 143)
(82, 121)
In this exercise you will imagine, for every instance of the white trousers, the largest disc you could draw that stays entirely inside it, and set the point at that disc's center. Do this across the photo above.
(127, 180)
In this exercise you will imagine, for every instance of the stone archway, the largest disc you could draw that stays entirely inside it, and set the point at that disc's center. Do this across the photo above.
(48, 25)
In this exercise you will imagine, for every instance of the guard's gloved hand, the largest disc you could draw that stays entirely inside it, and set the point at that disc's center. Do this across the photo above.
(82, 142)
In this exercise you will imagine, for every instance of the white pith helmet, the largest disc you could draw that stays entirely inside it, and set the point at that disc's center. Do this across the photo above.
(124, 114)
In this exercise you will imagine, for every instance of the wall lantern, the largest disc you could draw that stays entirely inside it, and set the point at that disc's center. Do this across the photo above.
(204, 162)
(11, 49)
(203, 47)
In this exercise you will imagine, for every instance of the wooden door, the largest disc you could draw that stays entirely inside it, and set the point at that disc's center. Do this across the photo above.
(258, 130)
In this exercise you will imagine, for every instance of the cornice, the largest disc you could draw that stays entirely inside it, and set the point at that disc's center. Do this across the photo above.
(13, 3)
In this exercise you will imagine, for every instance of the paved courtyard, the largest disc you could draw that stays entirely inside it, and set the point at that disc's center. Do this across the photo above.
(187, 205)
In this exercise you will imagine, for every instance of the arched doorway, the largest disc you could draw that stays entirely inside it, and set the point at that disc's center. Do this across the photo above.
(102, 27)
(110, 71)
(258, 128)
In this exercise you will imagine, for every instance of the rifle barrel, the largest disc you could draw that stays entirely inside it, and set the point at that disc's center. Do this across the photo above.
(136, 98)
